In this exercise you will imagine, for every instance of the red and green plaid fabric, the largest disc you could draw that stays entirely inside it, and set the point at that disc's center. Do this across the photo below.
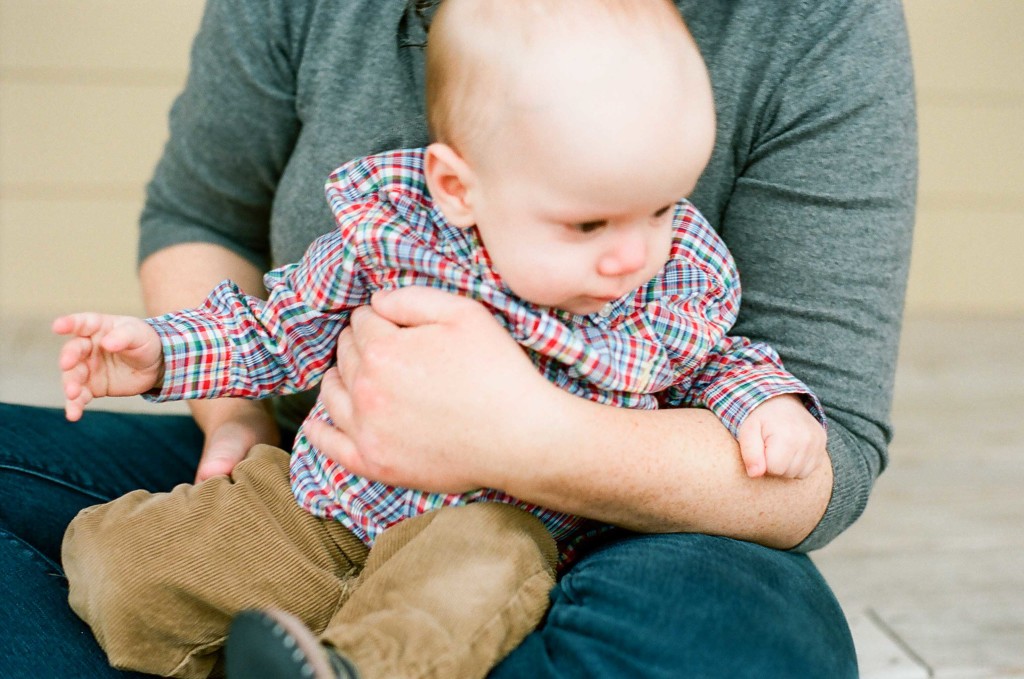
(665, 344)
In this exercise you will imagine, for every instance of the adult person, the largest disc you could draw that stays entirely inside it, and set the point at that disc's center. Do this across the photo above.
(811, 185)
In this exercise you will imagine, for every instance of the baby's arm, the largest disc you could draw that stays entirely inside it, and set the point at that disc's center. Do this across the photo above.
(778, 422)
(106, 356)
(780, 437)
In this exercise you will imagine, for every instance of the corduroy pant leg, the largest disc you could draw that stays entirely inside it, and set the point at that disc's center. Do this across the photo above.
(158, 577)
(447, 594)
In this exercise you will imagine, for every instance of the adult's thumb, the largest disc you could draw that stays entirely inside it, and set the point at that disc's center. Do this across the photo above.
(419, 305)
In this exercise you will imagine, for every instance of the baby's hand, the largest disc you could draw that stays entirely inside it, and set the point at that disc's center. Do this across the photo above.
(107, 356)
(781, 438)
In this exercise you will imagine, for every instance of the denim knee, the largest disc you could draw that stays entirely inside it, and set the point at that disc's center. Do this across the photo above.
(50, 469)
(689, 605)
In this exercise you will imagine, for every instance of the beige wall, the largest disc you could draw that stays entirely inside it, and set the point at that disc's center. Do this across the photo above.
(969, 242)
(85, 86)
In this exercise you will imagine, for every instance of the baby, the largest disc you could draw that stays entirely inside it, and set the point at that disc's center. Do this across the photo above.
(564, 138)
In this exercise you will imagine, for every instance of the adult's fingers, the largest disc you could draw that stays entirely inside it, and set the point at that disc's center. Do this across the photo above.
(348, 358)
(336, 445)
(336, 400)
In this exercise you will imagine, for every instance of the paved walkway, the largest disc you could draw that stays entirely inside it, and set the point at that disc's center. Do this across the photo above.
(932, 576)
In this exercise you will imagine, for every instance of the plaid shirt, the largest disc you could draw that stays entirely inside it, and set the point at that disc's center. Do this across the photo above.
(663, 344)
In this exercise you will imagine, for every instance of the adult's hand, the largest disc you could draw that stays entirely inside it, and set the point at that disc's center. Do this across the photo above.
(432, 393)
(232, 427)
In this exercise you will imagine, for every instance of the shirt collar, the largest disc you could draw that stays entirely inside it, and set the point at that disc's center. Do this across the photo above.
(398, 177)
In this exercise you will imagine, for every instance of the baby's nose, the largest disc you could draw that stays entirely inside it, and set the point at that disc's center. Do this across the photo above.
(626, 256)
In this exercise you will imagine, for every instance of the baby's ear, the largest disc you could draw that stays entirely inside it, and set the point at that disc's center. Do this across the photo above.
(450, 179)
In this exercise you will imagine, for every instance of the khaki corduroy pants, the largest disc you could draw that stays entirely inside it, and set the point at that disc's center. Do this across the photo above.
(159, 576)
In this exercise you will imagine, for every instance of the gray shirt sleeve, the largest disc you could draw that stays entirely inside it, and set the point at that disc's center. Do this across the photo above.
(232, 131)
(820, 220)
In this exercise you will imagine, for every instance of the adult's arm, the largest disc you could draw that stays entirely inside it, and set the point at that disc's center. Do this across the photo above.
(820, 222)
(208, 205)
(450, 403)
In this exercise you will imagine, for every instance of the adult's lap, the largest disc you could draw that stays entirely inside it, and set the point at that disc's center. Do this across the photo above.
(41, 636)
(51, 468)
(688, 606)
(651, 606)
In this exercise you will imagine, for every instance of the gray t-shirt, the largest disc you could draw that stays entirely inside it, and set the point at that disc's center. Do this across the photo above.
(811, 185)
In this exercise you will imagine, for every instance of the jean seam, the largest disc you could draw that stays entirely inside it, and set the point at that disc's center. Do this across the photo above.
(32, 551)
(56, 481)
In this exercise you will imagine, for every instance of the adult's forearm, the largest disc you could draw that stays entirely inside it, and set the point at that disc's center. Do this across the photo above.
(433, 393)
(665, 471)
(181, 276)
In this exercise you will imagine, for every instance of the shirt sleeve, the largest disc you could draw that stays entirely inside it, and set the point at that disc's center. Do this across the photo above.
(232, 132)
(697, 299)
(737, 376)
(238, 345)
(820, 222)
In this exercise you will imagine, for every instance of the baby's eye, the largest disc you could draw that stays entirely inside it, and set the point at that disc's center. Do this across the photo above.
(662, 212)
(587, 227)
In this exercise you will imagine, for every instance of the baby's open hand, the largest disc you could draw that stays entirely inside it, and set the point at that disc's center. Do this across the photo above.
(106, 356)
(781, 438)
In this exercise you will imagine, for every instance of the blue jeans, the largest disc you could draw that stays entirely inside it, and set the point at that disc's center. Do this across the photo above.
(649, 606)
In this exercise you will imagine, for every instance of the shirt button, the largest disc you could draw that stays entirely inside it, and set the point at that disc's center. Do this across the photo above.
(606, 310)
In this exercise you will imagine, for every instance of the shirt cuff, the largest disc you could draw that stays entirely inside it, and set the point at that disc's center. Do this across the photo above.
(733, 401)
(197, 358)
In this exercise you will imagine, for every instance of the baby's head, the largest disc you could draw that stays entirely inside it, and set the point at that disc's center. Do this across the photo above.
(565, 131)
